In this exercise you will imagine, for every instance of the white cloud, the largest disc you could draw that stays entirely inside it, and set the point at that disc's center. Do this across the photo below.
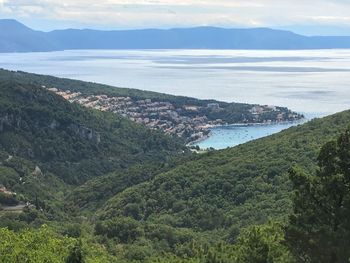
(171, 13)
(331, 18)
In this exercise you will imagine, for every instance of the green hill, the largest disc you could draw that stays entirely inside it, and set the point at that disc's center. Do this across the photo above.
(223, 191)
(127, 193)
(48, 146)
(72, 142)
(229, 112)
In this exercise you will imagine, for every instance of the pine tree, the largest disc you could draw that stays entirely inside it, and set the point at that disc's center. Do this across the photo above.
(319, 229)
(76, 254)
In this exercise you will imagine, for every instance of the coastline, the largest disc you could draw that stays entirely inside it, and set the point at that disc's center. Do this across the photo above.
(212, 127)
(192, 143)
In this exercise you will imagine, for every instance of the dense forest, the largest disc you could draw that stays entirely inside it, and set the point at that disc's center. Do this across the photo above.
(79, 185)
(71, 141)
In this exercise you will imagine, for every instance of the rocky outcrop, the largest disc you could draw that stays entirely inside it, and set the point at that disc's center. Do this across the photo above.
(37, 171)
(9, 120)
(86, 133)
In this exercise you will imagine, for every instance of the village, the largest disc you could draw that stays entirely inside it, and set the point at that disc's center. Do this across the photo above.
(188, 121)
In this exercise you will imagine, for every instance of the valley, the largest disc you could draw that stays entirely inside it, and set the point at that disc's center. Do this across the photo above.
(164, 131)
(133, 194)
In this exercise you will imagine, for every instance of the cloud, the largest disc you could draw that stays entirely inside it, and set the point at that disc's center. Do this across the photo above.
(172, 13)
(332, 18)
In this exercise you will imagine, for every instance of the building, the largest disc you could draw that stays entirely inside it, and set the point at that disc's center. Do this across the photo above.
(257, 110)
(213, 106)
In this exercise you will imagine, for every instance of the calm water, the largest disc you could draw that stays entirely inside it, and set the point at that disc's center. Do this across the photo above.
(228, 136)
(306, 81)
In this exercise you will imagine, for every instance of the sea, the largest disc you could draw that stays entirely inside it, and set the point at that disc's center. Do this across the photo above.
(313, 82)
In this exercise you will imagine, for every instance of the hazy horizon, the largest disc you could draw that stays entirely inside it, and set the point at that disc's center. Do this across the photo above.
(306, 81)
(290, 29)
(314, 17)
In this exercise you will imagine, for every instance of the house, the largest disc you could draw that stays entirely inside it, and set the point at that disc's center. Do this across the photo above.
(190, 108)
(256, 110)
(5, 191)
(213, 106)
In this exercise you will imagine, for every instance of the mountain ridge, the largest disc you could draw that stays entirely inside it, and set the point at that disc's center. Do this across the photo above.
(16, 37)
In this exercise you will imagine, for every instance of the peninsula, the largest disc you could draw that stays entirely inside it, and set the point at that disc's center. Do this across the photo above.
(188, 121)
(187, 118)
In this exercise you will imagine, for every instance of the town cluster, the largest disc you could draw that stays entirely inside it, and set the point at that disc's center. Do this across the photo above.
(159, 115)
(187, 121)
(5, 191)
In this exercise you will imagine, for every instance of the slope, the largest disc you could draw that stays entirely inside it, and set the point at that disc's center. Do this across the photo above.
(16, 37)
(71, 141)
(222, 191)
(228, 112)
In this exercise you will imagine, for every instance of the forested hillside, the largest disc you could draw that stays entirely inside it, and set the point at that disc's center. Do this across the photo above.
(228, 113)
(95, 187)
(222, 192)
(74, 143)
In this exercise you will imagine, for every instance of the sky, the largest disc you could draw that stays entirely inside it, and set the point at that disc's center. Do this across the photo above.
(318, 17)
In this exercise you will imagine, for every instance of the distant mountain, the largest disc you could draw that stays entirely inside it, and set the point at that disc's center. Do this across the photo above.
(16, 37)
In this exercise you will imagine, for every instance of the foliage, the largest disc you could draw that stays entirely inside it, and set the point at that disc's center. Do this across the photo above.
(263, 244)
(124, 229)
(319, 228)
(44, 245)
(8, 199)
(33, 246)
(221, 192)
(140, 196)
(45, 191)
(95, 192)
(254, 245)
(68, 140)
(230, 112)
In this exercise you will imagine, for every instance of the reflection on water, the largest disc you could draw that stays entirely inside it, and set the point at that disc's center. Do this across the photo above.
(229, 136)
(305, 81)
(223, 137)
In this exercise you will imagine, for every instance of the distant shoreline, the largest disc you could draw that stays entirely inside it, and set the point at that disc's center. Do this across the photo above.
(203, 37)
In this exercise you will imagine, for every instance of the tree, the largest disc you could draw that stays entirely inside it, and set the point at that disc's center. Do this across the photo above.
(76, 254)
(125, 229)
(262, 244)
(41, 245)
(319, 229)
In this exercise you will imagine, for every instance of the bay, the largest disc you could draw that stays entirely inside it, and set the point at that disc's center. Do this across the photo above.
(312, 81)
(232, 135)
